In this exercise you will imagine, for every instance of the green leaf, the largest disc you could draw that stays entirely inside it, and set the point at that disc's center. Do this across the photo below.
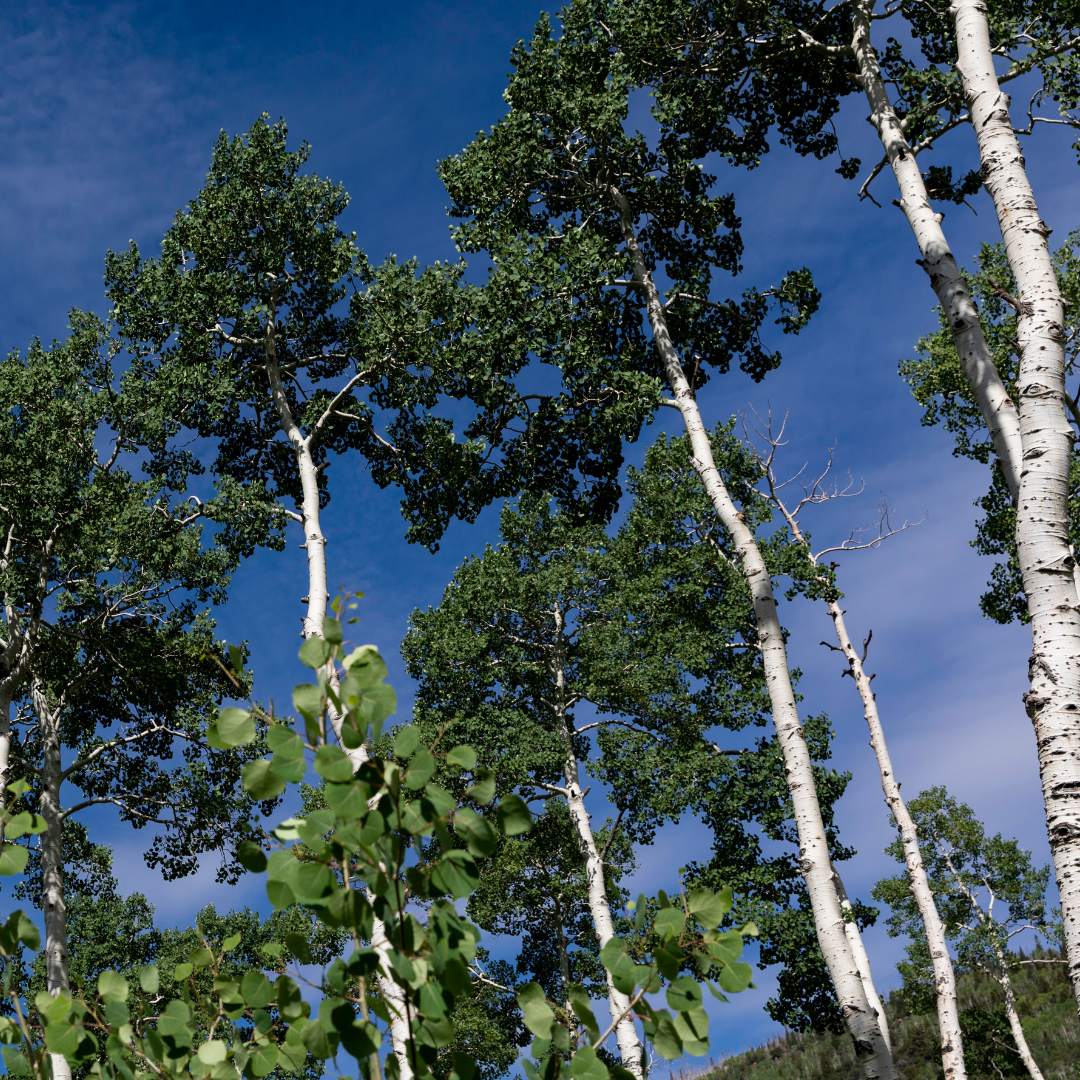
(63, 1037)
(535, 1011)
(235, 727)
(582, 1005)
(230, 943)
(378, 703)
(23, 929)
(201, 958)
(308, 700)
(260, 781)
(478, 835)
(513, 815)
(456, 874)
(332, 631)
(16, 1063)
(684, 994)
(285, 742)
(693, 1029)
(319, 1044)
(257, 989)
(483, 791)
(669, 922)
(315, 652)
(366, 665)
(708, 908)
(462, 756)
(332, 764)
(420, 770)
(298, 945)
(734, 978)
(585, 1065)
(181, 972)
(617, 960)
(149, 979)
(666, 1038)
(251, 857)
(210, 1053)
(12, 859)
(24, 823)
(112, 986)
(262, 1057)
(406, 741)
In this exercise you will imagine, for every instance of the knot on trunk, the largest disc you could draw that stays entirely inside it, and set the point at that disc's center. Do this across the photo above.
(1033, 703)
(1064, 832)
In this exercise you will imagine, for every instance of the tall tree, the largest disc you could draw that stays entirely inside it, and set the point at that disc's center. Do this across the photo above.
(952, 81)
(988, 890)
(818, 491)
(105, 649)
(673, 543)
(568, 203)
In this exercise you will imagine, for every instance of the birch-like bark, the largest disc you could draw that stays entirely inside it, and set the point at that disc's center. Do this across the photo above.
(53, 907)
(1042, 529)
(862, 960)
(1014, 1021)
(814, 861)
(314, 621)
(998, 410)
(948, 1012)
(599, 908)
(563, 945)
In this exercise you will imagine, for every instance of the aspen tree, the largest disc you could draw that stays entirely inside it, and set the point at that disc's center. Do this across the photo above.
(817, 492)
(105, 651)
(559, 176)
(988, 890)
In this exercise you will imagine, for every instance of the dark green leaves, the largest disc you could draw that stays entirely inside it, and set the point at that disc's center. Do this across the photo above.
(535, 1011)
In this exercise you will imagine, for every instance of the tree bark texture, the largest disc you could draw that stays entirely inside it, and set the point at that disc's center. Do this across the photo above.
(952, 1049)
(862, 961)
(599, 908)
(814, 861)
(53, 907)
(998, 410)
(1042, 533)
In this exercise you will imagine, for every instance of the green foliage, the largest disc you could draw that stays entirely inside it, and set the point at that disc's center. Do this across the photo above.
(206, 1006)
(544, 194)
(938, 384)
(986, 888)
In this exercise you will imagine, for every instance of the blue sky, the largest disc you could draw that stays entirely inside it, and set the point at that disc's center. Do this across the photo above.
(107, 116)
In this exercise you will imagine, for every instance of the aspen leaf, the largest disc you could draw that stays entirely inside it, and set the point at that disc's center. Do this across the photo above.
(535, 1011)
(462, 756)
(235, 727)
(708, 907)
(585, 1065)
(260, 781)
(315, 652)
(12, 859)
(251, 857)
(513, 815)
(406, 741)
(210, 1053)
(112, 986)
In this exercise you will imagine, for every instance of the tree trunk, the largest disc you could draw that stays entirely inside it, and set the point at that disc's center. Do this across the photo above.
(53, 908)
(1015, 1025)
(1042, 529)
(317, 600)
(998, 411)
(563, 945)
(815, 864)
(952, 1049)
(862, 961)
(599, 908)
(5, 741)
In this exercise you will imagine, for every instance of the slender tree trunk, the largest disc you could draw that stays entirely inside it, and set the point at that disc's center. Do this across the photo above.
(998, 411)
(317, 601)
(1042, 520)
(1014, 1022)
(862, 961)
(53, 907)
(5, 740)
(563, 945)
(952, 1049)
(814, 861)
(599, 908)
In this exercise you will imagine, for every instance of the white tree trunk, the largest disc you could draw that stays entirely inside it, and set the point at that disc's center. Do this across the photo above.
(1042, 530)
(952, 1049)
(53, 907)
(317, 601)
(814, 860)
(599, 908)
(1016, 1027)
(998, 411)
(862, 960)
